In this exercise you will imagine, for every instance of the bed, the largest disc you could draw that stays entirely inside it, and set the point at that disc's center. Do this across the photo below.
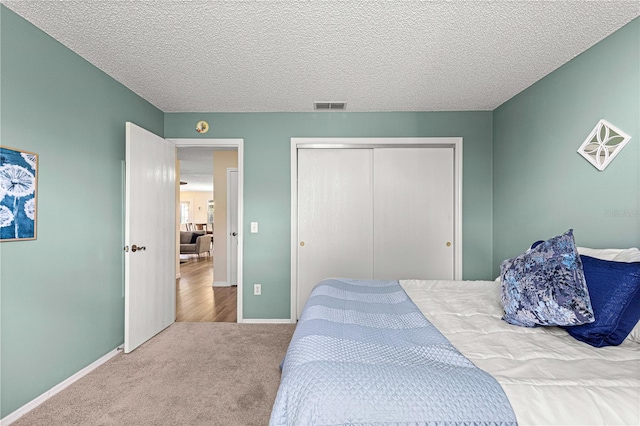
(549, 377)
(546, 377)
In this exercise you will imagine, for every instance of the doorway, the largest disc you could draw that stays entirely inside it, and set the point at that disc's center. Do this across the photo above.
(203, 288)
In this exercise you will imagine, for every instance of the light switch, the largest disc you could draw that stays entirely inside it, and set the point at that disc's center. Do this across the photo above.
(254, 227)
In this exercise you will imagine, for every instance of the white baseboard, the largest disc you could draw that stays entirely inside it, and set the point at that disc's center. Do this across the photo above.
(268, 321)
(220, 284)
(12, 417)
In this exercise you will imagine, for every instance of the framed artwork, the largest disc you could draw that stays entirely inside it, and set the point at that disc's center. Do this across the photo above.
(18, 194)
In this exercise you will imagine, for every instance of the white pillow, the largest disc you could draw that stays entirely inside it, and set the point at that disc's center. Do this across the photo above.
(604, 254)
(617, 255)
(629, 255)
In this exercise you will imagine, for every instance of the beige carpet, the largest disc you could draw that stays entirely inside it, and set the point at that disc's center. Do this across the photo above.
(190, 374)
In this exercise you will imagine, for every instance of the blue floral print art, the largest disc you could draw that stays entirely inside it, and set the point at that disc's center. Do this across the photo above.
(18, 182)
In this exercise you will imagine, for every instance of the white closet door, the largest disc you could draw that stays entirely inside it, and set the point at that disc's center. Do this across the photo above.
(335, 218)
(413, 213)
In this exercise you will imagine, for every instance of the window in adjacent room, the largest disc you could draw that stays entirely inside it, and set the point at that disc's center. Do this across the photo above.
(184, 212)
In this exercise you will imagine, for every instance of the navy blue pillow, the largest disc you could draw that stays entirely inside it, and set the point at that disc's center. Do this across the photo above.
(614, 289)
(536, 244)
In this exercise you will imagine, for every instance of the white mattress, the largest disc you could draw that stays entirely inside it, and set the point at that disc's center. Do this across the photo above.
(549, 377)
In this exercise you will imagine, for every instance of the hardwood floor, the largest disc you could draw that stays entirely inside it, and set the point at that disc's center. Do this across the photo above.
(197, 300)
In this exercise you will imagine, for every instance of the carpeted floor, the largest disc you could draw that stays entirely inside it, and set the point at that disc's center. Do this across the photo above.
(190, 374)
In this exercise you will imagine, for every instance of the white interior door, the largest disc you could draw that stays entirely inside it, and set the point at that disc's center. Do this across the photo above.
(335, 219)
(413, 213)
(149, 236)
(232, 226)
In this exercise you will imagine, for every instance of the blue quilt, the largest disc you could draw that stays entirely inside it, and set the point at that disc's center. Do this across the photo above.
(364, 354)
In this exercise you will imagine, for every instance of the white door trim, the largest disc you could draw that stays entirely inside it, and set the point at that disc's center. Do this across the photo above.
(296, 143)
(229, 239)
(239, 145)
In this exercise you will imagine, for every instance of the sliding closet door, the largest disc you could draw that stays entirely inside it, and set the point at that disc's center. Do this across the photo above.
(335, 218)
(413, 213)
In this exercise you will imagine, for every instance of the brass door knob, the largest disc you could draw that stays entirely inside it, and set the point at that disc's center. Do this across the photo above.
(301, 243)
(448, 243)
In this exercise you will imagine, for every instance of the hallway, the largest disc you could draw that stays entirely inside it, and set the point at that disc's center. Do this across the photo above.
(197, 300)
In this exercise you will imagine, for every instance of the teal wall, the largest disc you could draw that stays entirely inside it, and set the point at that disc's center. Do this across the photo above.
(267, 196)
(62, 303)
(541, 185)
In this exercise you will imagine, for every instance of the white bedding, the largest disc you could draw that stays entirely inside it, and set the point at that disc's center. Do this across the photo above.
(549, 377)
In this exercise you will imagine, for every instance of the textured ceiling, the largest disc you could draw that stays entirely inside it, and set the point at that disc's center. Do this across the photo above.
(240, 56)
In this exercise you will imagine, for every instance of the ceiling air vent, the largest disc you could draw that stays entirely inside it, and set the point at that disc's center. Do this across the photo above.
(330, 106)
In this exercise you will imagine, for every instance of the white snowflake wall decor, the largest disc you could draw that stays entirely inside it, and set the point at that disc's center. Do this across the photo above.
(603, 144)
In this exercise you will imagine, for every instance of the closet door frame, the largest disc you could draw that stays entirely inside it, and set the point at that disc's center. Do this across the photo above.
(351, 143)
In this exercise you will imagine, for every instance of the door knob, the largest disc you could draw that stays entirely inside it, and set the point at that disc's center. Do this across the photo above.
(135, 248)
(235, 234)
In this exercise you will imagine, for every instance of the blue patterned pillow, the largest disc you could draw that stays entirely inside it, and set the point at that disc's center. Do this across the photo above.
(614, 288)
(546, 285)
